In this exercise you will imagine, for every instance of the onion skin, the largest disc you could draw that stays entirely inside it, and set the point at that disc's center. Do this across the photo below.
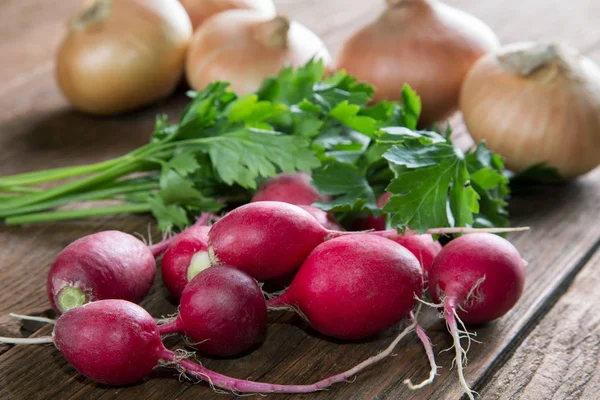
(550, 115)
(426, 44)
(244, 48)
(201, 10)
(120, 55)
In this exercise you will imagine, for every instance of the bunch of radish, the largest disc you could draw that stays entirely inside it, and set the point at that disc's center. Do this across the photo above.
(347, 285)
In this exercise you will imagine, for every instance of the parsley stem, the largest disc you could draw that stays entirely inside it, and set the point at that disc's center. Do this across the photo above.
(65, 215)
(99, 194)
(108, 175)
(33, 178)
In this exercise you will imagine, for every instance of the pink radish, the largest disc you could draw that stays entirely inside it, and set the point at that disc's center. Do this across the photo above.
(185, 257)
(117, 342)
(355, 286)
(290, 188)
(422, 246)
(266, 239)
(323, 217)
(104, 265)
(222, 310)
(477, 277)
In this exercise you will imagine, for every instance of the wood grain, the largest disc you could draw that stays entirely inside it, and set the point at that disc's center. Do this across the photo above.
(38, 130)
(560, 359)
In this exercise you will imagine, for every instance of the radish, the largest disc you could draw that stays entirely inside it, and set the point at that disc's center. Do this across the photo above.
(355, 286)
(116, 342)
(185, 257)
(323, 217)
(290, 188)
(476, 278)
(104, 265)
(222, 310)
(266, 239)
(422, 246)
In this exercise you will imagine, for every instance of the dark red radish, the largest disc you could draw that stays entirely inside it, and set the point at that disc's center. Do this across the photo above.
(323, 217)
(222, 310)
(290, 188)
(104, 265)
(478, 277)
(422, 246)
(355, 286)
(185, 257)
(116, 342)
(266, 239)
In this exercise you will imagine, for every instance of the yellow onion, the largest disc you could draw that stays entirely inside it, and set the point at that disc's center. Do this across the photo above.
(201, 10)
(424, 43)
(119, 55)
(536, 103)
(245, 47)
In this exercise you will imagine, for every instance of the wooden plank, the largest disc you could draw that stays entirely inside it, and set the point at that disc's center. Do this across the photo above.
(560, 359)
(37, 127)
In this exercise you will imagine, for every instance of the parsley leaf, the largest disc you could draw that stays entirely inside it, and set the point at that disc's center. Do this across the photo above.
(344, 181)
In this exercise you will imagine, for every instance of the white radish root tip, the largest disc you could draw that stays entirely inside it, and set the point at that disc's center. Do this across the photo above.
(451, 318)
(428, 350)
(32, 318)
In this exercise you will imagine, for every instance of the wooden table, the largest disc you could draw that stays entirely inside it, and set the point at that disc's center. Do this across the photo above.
(546, 348)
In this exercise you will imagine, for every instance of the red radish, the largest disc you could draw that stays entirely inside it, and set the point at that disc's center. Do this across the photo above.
(185, 257)
(355, 286)
(222, 310)
(323, 217)
(478, 277)
(378, 223)
(117, 342)
(422, 246)
(104, 265)
(290, 188)
(266, 239)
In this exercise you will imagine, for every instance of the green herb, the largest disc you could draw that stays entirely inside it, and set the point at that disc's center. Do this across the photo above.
(224, 146)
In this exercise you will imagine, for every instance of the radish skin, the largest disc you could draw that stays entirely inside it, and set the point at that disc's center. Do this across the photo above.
(477, 278)
(323, 217)
(353, 287)
(266, 239)
(222, 310)
(185, 257)
(290, 188)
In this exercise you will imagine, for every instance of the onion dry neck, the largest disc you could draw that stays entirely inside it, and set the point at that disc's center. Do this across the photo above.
(274, 33)
(541, 62)
(95, 12)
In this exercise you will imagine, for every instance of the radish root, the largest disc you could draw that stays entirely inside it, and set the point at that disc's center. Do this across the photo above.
(40, 340)
(428, 350)
(32, 318)
(451, 318)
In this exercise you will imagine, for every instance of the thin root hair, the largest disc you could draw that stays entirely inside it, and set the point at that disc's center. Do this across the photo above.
(33, 318)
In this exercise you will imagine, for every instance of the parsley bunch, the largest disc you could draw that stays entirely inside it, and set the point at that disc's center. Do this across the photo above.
(223, 146)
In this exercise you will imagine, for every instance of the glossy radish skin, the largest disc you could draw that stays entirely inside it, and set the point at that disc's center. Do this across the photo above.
(422, 246)
(290, 188)
(266, 239)
(114, 342)
(465, 261)
(355, 286)
(323, 217)
(476, 278)
(185, 257)
(223, 311)
(104, 265)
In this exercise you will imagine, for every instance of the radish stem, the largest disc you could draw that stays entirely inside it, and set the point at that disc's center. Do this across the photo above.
(40, 340)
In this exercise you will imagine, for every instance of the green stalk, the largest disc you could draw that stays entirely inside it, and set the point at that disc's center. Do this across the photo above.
(66, 215)
(70, 187)
(86, 196)
(37, 177)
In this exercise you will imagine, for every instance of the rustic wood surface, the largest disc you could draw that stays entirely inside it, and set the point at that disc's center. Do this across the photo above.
(546, 348)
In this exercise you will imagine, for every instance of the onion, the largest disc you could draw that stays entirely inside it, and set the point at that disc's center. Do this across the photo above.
(427, 44)
(201, 10)
(119, 55)
(245, 47)
(535, 103)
